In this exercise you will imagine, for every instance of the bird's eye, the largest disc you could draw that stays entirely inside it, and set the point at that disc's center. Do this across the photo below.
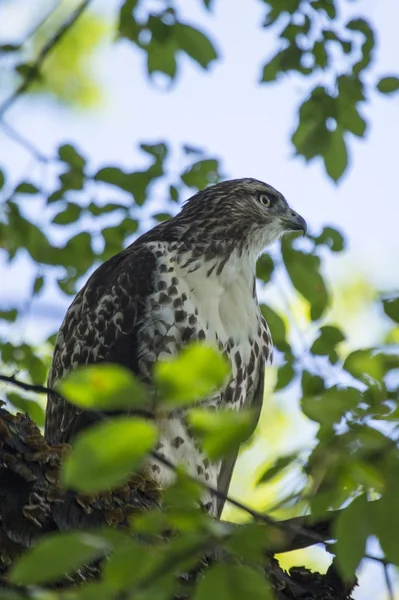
(264, 199)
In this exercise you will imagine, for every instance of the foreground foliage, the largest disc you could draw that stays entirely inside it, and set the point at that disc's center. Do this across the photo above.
(351, 396)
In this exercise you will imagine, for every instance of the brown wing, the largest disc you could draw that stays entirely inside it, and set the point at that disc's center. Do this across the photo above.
(100, 325)
(227, 467)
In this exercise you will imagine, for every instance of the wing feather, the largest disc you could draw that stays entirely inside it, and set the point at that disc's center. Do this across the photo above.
(100, 326)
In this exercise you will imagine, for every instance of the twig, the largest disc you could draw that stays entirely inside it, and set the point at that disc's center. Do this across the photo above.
(34, 69)
(295, 527)
(24, 142)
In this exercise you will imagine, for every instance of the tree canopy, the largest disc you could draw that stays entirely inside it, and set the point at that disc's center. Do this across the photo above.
(87, 214)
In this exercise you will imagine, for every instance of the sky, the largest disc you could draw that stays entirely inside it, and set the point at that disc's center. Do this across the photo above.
(248, 126)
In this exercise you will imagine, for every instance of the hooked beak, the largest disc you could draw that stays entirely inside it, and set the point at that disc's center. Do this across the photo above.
(294, 222)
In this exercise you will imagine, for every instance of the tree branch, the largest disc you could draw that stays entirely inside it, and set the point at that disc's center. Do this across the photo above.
(47, 48)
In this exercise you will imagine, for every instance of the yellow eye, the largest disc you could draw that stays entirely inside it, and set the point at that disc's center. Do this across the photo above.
(265, 200)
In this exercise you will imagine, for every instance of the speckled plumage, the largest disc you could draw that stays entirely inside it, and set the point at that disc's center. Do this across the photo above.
(190, 278)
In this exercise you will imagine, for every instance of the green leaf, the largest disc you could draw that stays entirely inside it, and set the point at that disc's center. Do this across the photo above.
(174, 193)
(285, 374)
(161, 217)
(336, 157)
(105, 455)
(388, 85)
(232, 582)
(223, 431)
(349, 119)
(25, 405)
(9, 315)
(118, 570)
(277, 327)
(331, 405)
(105, 209)
(70, 214)
(26, 188)
(2, 179)
(71, 156)
(38, 284)
(312, 384)
(249, 541)
(332, 238)
(195, 44)
(201, 174)
(352, 529)
(55, 556)
(103, 387)
(304, 272)
(279, 465)
(72, 180)
(391, 308)
(329, 337)
(364, 364)
(264, 268)
(384, 519)
(197, 372)
(162, 58)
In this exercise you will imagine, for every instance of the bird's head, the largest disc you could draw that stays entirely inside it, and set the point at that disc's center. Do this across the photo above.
(246, 210)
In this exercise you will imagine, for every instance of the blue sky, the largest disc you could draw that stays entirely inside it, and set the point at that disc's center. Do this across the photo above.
(248, 126)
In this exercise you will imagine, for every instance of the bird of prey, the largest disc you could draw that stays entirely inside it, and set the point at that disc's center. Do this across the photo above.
(190, 278)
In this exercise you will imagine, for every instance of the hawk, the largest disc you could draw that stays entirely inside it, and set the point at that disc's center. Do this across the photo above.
(189, 278)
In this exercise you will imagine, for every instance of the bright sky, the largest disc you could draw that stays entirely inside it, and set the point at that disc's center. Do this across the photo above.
(248, 126)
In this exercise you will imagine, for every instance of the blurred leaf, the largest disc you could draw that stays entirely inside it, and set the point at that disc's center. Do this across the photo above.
(250, 541)
(312, 137)
(105, 455)
(67, 73)
(161, 217)
(195, 44)
(336, 157)
(331, 405)
(223, 431)
(264, 268)
(9, 315)
(118, 570)
(391, 308)
(105, 209)
(285, 373)
(312, 384)
(279, 465)
(103, 387)
(174, 193)
(73, 179)
(232, 582)
(352, 529)
(366, 363)
(70, 214)
(384, 519)
(277, 327)
(162, 58)
(197, 372)
(26, 188)
(388, 85)
(326, 6)
(25, 405)
(332, 238)
(55, 556)
(38, 284)
(304, 272)
(2, 179)
(329, 337)
(70, 155)
(201, 174)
